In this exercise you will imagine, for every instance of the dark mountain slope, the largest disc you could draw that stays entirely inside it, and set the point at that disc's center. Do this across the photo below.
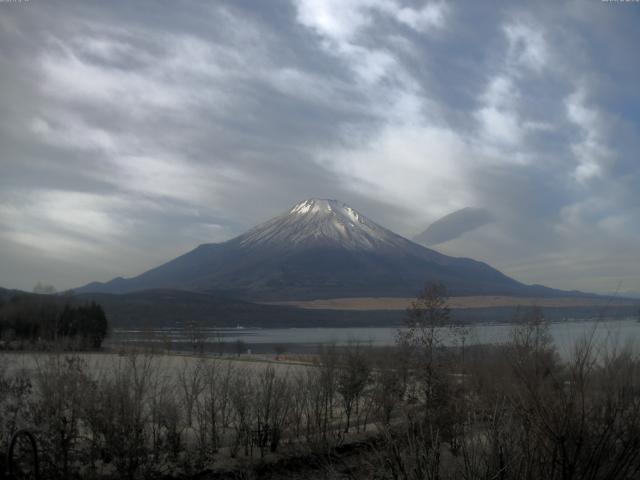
(320, 249)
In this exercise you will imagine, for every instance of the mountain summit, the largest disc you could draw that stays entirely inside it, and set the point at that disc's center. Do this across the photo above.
(319, 249)
(321, 222)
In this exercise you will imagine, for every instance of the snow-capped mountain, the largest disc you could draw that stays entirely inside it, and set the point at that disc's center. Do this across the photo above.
(319, 249)
(321, 222)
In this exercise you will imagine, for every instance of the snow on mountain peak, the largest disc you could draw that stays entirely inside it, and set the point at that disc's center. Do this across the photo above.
(318, 206)
(311, 205)
(321, 221)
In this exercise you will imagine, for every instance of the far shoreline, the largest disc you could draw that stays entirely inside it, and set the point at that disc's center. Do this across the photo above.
(455, 302)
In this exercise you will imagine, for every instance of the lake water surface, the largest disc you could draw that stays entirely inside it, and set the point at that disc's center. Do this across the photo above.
(606, 333)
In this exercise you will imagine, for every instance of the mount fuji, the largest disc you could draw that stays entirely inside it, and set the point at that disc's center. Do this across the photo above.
(319, 249)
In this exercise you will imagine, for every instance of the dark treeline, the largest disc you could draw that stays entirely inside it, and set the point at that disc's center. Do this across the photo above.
(43, 319)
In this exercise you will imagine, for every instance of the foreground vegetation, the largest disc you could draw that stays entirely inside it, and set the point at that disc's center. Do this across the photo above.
(416, 411)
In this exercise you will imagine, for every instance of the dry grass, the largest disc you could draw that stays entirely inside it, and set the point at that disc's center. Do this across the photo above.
(170, 364)
(393, 303)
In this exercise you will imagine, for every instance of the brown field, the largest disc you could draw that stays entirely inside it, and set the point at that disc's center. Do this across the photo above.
(169, 363)
(393, 303)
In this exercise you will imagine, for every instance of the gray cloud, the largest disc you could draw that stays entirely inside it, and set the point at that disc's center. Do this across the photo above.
(454, 225)
(130, 133)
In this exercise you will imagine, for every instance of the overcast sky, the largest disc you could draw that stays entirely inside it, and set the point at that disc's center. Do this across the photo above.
(131, 132)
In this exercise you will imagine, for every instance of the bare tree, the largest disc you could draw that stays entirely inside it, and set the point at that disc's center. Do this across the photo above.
(61, 385)
(353, 377)
(423, 336)
(196, 335)
(388, 389)
(191, 382)
(119, 419)
(271, 409)
(241, 397)
(410, 453)
(240, 347)
(15, 391)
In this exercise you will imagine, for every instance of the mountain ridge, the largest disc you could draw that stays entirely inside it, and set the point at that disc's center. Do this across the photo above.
(320, 248)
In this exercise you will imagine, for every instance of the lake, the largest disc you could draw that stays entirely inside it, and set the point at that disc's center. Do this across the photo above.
(607, 333)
